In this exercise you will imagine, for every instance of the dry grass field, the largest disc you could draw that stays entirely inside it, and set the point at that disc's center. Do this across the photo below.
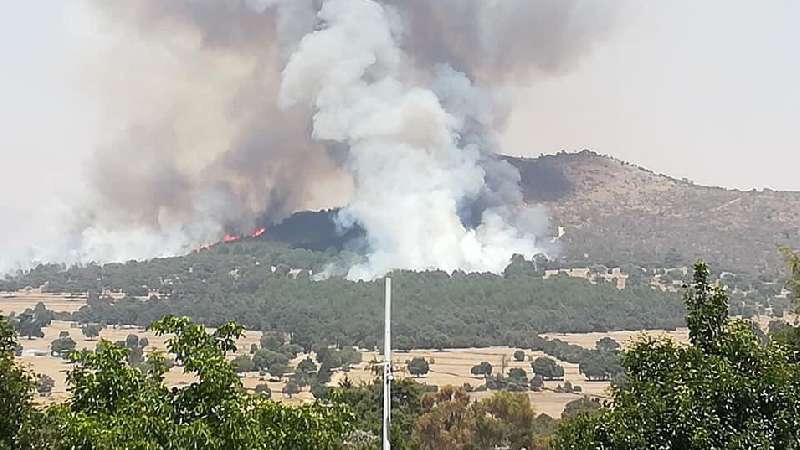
(20, 301)
(625, 338)
(448, 366)
(57, 368)
(453, 367)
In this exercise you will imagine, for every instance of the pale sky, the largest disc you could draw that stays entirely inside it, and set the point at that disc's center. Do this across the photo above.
(708, 90)
(700, 89)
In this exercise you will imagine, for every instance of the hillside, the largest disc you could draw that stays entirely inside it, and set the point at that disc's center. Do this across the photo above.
(617, 213)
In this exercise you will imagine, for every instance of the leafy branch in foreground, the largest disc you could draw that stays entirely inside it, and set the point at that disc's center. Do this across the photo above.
(114, 405)
(725, 390)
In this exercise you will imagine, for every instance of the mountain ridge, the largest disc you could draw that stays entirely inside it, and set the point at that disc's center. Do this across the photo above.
(614, 213)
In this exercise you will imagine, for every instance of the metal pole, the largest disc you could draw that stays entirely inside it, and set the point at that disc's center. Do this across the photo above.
(387, 365)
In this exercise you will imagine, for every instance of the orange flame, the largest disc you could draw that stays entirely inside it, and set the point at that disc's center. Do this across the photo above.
(230, 238)
(258, 232)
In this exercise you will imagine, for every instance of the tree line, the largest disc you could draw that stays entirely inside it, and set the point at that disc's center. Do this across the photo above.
(432, 309)
(729, 388)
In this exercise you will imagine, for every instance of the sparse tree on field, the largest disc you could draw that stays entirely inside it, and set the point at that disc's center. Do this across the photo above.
(519, 356)
(547, 368)
(28, 325)
(272, 340)
(132, 341)
(537, 383)
(44, 385)
(62, 346)
(483, 369)
(418, 366)
(607, 344)
(243, 363)
(518, 375)
(90, 331)
(291, 389)
(319, 390)
(264, 391)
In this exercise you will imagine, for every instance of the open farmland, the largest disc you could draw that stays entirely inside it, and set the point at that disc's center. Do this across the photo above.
(450, 366)
(16, 302)
(625, 338)
(36, 353)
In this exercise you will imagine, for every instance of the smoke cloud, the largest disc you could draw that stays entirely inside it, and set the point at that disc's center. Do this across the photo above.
(225, 114)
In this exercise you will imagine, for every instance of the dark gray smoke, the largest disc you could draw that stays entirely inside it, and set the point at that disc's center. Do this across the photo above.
(227, 111)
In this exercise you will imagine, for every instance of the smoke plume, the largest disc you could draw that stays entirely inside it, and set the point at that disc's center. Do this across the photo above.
(226, 114)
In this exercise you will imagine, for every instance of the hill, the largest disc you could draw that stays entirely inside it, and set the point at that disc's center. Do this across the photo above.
(615, 213)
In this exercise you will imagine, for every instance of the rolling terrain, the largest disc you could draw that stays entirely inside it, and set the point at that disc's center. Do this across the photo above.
(615, 213)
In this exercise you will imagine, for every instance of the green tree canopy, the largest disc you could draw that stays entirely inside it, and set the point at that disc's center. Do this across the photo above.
(484, 369)
(547, 368)
(114, 405)
(607, 344)
(723, 391)
(418, 366)
(16, 390)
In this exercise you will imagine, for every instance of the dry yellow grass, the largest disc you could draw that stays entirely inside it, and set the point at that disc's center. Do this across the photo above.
(20, 301)
(625, 338)
(452, 367)
(449, 367)
(57, 368)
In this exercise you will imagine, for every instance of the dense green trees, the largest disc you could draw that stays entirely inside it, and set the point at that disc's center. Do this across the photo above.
(607, 344)
(504, 420)
(16, 390)
(116, 405)
(725, 390)
(433, 309)
(31, 321)
(243, 363)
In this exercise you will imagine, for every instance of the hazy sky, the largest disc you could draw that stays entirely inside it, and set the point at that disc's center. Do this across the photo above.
(707, 90)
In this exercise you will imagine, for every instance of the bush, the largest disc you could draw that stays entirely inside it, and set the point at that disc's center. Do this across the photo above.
(547, 368)
(418, 366)
(243, 363)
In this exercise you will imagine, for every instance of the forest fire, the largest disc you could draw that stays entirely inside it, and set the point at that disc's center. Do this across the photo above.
(228, 238)
(258, 232)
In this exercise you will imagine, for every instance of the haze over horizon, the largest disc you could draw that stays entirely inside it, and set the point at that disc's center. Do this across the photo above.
(706, 91)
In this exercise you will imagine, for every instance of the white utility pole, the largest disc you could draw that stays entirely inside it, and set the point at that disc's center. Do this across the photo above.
(387, 366)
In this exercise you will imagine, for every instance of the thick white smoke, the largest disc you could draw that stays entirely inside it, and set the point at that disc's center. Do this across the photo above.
(411, 174)
(222, 115)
